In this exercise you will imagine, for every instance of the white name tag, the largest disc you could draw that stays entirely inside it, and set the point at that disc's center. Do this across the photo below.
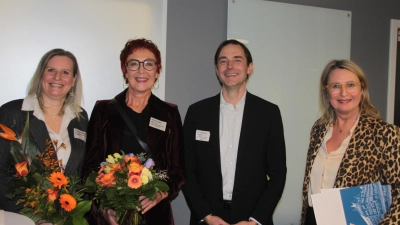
(158, 124)
(202, 135)
(80, 134)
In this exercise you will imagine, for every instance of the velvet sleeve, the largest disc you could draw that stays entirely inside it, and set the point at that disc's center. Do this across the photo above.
(175, 161)
(94, 143)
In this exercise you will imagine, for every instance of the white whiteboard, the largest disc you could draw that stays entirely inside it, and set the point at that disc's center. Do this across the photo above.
(95, 31)
(290, 45)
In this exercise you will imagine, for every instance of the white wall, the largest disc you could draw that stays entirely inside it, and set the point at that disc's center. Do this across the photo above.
(95, 31)
(290, 45)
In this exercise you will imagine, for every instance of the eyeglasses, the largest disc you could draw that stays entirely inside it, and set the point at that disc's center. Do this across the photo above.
(134, 65)
(351, 87)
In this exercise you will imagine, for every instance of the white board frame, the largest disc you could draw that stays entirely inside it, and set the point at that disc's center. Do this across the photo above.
(288, 60)
(394, 26)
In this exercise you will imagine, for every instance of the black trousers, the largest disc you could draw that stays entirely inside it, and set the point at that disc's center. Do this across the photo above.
(310, 217)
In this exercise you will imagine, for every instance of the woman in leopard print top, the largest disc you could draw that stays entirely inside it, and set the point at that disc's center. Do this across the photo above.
(350, 145)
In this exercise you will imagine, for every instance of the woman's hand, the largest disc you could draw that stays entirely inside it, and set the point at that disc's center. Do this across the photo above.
(110, 216)
(147, 204)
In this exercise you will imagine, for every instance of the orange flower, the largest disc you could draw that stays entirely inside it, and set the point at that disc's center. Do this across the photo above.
(22, 169)
(106, 180)
(132, 158)
(58, 179)
(67, 202)
(134, 182)
(116, 167)
(51, 194)
(135, 167)
(8, 133)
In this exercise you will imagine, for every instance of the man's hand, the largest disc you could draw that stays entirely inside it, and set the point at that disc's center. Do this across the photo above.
(214, 220)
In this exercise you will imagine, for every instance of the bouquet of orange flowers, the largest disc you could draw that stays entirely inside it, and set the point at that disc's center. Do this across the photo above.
(121, 180)
(40, 184)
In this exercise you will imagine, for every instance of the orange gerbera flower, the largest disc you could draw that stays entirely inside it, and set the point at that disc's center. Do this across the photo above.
(106, 180)
(7, 133)
(135, 167)
(67, 202)
(22, 169)
(134, 182)
(58, 179)
(51, 194)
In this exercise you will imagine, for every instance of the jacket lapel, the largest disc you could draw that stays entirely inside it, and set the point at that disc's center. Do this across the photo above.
(38, 132)
(213, 120)
(152, 134)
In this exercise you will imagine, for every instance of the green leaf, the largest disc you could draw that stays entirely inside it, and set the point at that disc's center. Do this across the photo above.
(162, 185)
(25, 138)
(91, 180)
(79, 221)
(151, 194)
(16, 151)
(46, 184)
(38, 177)
(82, 208)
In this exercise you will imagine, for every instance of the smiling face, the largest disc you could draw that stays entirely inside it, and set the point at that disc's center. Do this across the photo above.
(58, 78)
(232, 69)
(141, 80)
(344, 102)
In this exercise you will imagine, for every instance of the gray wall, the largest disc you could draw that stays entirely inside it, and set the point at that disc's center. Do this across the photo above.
(194, 30)
(196, 27)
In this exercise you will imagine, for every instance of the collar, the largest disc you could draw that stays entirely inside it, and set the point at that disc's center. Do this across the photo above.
(240, 104)
(31, 103)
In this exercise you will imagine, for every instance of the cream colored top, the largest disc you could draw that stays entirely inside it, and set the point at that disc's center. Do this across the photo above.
(326, 166)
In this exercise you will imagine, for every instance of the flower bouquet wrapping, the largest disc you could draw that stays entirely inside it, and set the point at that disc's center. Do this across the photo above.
(40, 185)
(121, 180)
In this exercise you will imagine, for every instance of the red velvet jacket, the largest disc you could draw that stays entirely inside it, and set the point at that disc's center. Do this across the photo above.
(105, 133)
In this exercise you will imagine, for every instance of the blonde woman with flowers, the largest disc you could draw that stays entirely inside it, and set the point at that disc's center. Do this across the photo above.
(53, 106)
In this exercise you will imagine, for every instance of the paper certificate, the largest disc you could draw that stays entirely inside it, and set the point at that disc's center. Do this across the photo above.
(359, 205)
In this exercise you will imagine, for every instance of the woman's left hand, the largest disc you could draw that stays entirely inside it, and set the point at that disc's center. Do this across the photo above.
(147, 204)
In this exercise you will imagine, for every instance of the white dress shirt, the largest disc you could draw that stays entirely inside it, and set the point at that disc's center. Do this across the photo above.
(230, 123)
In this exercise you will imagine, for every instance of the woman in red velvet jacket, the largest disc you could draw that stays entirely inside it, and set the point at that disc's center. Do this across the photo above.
(158, 123)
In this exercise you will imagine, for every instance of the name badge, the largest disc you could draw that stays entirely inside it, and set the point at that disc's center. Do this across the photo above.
(158, 124)
(202, 135)
(78, 134)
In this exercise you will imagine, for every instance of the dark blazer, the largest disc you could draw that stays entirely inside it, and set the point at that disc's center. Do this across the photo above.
(12, 116)
(105, 133)
(261, 153)
(372, 155)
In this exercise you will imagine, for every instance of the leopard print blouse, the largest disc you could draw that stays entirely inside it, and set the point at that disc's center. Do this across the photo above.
(372, 155)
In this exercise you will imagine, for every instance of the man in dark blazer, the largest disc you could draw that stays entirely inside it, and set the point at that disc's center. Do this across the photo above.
(235, 148)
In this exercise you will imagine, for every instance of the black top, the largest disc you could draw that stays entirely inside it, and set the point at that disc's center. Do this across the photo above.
(140, 121)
